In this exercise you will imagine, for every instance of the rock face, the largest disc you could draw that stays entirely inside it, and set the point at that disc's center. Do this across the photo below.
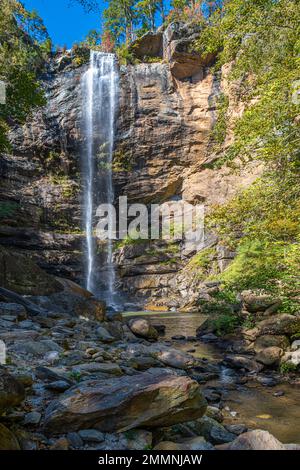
(163, 153)
(150, 399)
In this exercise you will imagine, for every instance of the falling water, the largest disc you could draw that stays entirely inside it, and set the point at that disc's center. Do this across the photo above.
(100, 94)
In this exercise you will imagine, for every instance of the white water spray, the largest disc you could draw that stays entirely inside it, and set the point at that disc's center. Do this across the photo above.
(100, 93)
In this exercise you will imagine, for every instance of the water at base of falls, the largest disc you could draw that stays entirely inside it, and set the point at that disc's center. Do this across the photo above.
(100, 98)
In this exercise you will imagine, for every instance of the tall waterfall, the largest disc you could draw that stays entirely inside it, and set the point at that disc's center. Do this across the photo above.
(100, 97)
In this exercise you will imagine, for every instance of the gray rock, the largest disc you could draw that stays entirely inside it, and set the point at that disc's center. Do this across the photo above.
(195, 443)
(236, 428)
(12, 309)
(37, 348)
(32, 418)
(295, 345)
(75, 440)
(149, 399)
(12, 392)
(211, 430)
(91, 435)
(104, 336)
(58, 386)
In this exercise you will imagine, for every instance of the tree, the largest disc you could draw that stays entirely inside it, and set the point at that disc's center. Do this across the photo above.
(146, 11)
(23, 44)
(121, 19)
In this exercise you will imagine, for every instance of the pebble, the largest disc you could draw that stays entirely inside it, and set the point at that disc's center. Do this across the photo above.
(279, 393)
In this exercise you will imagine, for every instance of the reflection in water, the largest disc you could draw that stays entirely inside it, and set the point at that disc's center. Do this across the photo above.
(256, 406)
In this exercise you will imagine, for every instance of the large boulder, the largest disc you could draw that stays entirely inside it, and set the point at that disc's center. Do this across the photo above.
(242, 362)
(176, 359)
(254, 440)
(270, 356)
(143, 328)
(268, 341)
(255, 302)
(12, 392)
(150, 399)
(281, 324)
(211, 430)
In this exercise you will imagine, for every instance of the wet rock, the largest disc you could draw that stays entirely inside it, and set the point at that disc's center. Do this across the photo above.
(12, 392)
(269, 356)
(151, 399)
(143, 328)
(195, 443)
(279, 393)
(114, 316)
(18, 335)
(254, 440)
(53, 375)
(178, 337)
(209, 338)
(91, 435)
(7, 439)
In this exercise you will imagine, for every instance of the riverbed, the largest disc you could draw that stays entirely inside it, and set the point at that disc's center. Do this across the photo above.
(252, 404)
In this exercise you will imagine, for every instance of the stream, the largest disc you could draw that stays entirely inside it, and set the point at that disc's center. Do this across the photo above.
(250, 404)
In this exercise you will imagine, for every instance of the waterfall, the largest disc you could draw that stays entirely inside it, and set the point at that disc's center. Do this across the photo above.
(100, 97)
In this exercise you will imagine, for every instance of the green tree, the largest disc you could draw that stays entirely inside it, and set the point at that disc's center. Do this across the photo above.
(23, 44)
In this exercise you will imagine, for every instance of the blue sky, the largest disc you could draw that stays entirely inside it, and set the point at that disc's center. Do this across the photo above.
(66, 20)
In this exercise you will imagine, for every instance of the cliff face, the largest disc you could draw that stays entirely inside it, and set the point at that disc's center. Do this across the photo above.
(163, 152)
(40, 188)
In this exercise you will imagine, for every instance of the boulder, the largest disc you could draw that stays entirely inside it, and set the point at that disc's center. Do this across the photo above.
(176, 359)
(267, 341)
(270, 356)
(12, 392)
(257, 302)
(211, 430)
(151, 399)
(143, 328)
(104, 336)
(242, 362)
(7, 440)
(37, 348)
(281, 324)
(254, 440)
(195, 443)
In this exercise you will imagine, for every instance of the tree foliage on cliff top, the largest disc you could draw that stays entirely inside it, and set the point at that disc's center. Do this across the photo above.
(23, 44)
